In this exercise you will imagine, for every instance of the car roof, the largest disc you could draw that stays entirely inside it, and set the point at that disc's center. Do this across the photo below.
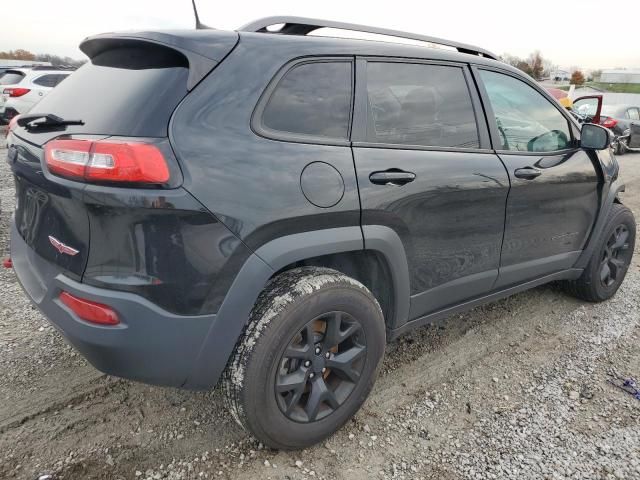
(23, 70)
(39, 73)
(204, 42)
(290, 25)
(325, 45)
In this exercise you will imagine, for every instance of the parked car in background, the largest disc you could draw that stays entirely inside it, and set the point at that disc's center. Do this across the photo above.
(561, 96)
(24, 87)
(9, 78)
(587, 109)
(618, 119)
(5, 69)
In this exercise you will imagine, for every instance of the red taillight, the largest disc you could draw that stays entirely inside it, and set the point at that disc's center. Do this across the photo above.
(16, 91)
(609, 122)
(90, 311)
(107, 161)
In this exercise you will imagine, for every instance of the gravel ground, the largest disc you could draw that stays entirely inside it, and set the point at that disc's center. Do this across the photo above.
(516, 389)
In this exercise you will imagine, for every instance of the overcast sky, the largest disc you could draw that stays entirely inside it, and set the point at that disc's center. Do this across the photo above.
(585, 33)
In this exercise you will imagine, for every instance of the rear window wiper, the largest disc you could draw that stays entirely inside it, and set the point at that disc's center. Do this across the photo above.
(30, 121)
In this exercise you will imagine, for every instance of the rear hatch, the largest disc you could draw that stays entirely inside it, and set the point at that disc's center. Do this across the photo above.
(127, 92)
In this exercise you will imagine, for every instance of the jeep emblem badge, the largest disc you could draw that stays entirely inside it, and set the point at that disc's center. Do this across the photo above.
(61, 247)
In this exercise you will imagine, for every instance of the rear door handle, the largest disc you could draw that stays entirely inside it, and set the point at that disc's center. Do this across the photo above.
(392, 177)
(527, 173)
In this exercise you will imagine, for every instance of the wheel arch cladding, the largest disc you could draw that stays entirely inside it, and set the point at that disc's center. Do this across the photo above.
(611, 197)
(276, 255)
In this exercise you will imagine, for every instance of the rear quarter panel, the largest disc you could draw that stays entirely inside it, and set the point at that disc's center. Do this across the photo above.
(252, 183)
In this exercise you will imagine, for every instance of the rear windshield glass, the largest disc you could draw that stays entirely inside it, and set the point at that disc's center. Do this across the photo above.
(11, 78)
(129, 91)
(51, 79)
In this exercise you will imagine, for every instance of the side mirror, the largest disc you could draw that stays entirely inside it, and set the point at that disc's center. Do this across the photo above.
(594, 137)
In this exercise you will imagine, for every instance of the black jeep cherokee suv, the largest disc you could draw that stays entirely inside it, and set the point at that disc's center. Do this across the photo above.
(268, 208)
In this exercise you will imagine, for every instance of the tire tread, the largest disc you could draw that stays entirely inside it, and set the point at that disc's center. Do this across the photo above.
(282, 291)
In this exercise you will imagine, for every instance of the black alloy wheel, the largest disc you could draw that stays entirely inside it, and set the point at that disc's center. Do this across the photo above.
(308, 358)
(614, 261)
(320, 367)
(610, 260)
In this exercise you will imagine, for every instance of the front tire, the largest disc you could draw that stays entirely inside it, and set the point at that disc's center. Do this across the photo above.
(610, 260)
(308, 358)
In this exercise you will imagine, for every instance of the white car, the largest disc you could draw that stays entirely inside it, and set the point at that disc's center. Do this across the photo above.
(22, 88)
(10, 77)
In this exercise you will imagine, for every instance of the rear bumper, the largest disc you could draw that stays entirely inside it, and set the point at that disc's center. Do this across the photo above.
(150, 344)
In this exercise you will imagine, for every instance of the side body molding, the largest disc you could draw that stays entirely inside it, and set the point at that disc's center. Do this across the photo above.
(236, 308)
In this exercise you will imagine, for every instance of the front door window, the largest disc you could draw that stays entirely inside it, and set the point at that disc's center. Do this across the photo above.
(526, 120)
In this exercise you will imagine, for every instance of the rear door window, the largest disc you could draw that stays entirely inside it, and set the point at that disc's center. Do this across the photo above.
(311, 101)
(50, 80)
(11, 78)
(526, 120)
(419, 104)
(634, 114)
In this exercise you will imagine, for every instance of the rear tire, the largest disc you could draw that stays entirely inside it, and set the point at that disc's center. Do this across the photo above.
(308, 358)
(610, 260)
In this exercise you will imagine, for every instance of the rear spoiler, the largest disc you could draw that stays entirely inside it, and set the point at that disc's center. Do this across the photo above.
(203, 49)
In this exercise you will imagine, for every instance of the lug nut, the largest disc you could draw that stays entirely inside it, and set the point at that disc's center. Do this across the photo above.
(324, 369)
(327, 355)
(307, 363)
(318, 350)
(311, 375)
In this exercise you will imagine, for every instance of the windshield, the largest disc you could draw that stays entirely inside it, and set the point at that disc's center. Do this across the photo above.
(588, 106)
(11, 77)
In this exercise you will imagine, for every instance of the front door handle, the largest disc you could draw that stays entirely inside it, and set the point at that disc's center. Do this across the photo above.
(392, 177)
(527, 173)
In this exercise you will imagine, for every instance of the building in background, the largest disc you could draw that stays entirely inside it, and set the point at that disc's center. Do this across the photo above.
(560, 75)
(631, 75)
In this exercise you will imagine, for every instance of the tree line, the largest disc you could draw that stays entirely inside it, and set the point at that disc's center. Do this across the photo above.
(26, 55)
(539, 67)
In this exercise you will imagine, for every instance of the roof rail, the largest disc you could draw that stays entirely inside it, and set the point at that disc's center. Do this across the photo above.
(304, 26)
(54, 67)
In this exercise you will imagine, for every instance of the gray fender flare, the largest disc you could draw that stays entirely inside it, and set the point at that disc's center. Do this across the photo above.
(235, 310)
(609, 199)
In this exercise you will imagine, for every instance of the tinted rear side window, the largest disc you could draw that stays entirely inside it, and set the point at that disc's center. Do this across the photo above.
(312, 99)
(50, 80)
(419, 104)
(11, 78)
(129, 91)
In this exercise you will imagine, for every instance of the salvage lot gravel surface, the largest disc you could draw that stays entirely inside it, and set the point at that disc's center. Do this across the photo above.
(515, 389)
